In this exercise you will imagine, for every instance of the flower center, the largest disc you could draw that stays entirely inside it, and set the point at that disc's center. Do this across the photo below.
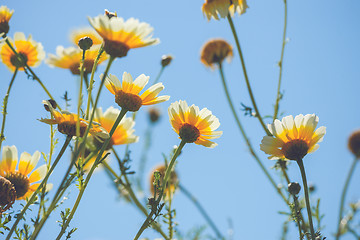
(295, 149)
(4, 27)
(15, 61)
(20, 182)
(189, 133)
(115, 49)
(69, 128)
(88, 65)
(7, 194)
(128, 101)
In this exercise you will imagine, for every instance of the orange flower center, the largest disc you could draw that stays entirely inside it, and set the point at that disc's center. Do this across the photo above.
(295, 149)
(115, 49)
(130, 102)
(88, 65)
(189, 133)
(7, 194)
(69, 128)
(16, 62)
(20, 182)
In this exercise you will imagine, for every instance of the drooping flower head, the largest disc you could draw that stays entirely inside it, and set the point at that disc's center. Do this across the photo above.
(69, 58)
(5, 15)
(215, 51)
(127, 92)
(124, 132)
(67, 122)
(214, 8)
(80, 33)
(354, 143)
(24, 182)
(30, 52)
(120, 35)
(293, 138)
(194, 125)
(171, 184)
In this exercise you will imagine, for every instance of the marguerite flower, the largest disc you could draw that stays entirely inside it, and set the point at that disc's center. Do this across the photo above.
(24, 182)
(31, 52)
(124, 132)
(215, 51)
(194, 125)
(127, 92)
(293, 138)
(80, 33)
(120, 35)
(214, 8)
(5, 15)
(70, 58)
(67, 122)
(171, 184)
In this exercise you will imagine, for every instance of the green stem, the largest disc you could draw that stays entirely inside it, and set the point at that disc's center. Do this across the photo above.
(298, 212)
(83, 187)
(278, 94)
(341, 209)
(243, 133)
(32, 198)
(201, 210)
(159, 75)
(6, 100)
(306, 190)
(246, 76)
(163, 187)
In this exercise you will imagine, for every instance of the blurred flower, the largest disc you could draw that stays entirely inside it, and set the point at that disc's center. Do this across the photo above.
(31, 52)
(124, 132)
(215, 51)
(67, 121)
(7, 194)
(77, 34)
(70, 58)
(166, 60)
(214, 8)
(120, 36)
(23, 182)
(354, 143)
(154, 114)
(5, 15)
(194, 125)
(127, 92)
(87, 165)
(171, 184)
(293, 138)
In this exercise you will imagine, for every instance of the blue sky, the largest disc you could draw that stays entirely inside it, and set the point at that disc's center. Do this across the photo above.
(321, 75)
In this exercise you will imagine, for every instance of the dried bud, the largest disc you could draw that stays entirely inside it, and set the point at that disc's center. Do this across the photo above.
(294, 188)
(7, 194)
(154, 114)
(110, 14)
(166, 60)
(354, 143)
(53, 104)
(159, 173)
(85, 43)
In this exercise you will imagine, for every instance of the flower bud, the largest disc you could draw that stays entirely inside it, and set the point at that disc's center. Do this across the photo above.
(354, 143)
(166, 60)
(85, 43)
(53, 104)
(294, 188)
(154, 114)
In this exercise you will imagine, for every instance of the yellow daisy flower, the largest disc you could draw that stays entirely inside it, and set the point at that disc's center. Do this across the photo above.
(214, 8)
(194, 125)
(293, 138)
(67, 121)
(31, 52)
(124, 132)
(80, 33)
(5, 15)
(215, 51)
(127, 92)
(120, 35)
(70, 58)
(173, 181)
(24, 183)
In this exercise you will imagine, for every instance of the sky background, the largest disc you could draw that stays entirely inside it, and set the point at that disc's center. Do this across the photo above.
(321, 75)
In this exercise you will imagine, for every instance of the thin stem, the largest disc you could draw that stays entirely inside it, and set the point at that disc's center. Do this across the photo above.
(6, 100)
(297, 212)
(246, 76)
(278, 94)
(201, 210)
(163, 187)
(83, 187)
(159, 75)
(306, 190)
(33, 196)
(243, 133)
(341, 209)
